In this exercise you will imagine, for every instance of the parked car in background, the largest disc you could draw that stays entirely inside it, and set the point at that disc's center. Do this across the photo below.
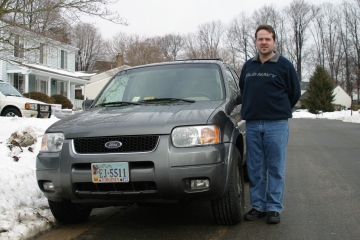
(13, 103)
(165, 132)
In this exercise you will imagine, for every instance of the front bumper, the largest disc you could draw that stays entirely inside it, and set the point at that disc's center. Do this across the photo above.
(160, 175)
(44, 111)
(41, 112)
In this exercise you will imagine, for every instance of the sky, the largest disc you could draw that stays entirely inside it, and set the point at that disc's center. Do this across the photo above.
(160, 17)
(24, 211)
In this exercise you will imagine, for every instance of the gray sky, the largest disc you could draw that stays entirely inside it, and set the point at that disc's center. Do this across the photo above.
(160, 17)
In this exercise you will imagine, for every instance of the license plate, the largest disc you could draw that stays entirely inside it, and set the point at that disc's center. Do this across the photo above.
(110, 172)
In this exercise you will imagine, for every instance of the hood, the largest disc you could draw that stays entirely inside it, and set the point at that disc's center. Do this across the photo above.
(24, 100)
(135, 120)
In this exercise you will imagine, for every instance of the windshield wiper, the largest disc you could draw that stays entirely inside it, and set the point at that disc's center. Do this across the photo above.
(118, 103)
(167, 100)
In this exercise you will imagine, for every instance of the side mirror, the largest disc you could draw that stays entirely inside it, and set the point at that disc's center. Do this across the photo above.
(86, 104)
(238, 99)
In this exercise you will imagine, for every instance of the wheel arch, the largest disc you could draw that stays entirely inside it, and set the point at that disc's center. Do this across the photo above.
(8, 107)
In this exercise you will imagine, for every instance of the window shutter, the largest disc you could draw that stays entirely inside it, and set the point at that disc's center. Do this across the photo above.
(59, 58)
(68, 61)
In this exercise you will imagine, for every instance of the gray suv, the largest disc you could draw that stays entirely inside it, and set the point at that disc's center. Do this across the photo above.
(158, 133)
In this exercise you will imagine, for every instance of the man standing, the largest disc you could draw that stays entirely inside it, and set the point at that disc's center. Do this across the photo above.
(270, 89)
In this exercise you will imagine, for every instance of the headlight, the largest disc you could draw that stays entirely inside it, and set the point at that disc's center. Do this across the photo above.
(195, 136)
(31, 106)
(52, 142)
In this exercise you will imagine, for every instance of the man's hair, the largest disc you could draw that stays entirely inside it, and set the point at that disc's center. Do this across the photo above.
(267, 28)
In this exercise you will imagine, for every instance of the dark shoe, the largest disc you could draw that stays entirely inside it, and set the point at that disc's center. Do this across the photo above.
(273, 217)
(254, 214)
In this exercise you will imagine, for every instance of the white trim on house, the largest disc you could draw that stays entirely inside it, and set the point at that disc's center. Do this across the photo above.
(47, 72)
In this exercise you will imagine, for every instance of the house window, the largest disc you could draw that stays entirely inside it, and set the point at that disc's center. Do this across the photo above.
(63, 59)
(18, 82)
(44, 52)
(18, 47)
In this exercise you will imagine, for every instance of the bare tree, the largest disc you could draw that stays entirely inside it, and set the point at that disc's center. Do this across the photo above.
(300, 14)
(268, 14)
(88, 40)
(49, 16)
(354, 20)
(327, 40)
(238, 40)
(141, 50)
(209, 37)
(192, 46)
(117, 44)
(171, 45)
(206, 42)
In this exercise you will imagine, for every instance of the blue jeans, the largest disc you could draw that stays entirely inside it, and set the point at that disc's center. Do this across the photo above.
(266, 142)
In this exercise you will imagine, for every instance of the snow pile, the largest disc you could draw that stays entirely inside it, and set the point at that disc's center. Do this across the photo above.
(24, 210)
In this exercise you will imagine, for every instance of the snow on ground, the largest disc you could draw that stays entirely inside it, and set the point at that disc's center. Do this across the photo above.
(24, 211)
(345, 115)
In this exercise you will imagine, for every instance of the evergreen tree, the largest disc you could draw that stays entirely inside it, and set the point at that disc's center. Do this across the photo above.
(320, 92)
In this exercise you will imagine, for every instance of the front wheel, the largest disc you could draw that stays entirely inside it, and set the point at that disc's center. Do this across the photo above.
(68, 212)
(11, 112)
(229, 209)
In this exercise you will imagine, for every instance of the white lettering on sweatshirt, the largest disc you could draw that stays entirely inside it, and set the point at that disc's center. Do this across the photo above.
(260, 75)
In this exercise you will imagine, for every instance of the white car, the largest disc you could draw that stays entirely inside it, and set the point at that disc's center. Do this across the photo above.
(13, 103)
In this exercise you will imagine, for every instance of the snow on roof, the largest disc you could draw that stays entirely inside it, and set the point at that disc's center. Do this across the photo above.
(36, 67)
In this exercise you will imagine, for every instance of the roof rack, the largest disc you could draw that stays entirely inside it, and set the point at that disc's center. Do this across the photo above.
(192, 59)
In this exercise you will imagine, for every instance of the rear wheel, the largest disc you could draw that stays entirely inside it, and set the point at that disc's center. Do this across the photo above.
(229, 209)
(11, 112)
(68, 212)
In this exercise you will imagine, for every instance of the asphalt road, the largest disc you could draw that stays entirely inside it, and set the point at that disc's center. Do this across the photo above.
(322, 198)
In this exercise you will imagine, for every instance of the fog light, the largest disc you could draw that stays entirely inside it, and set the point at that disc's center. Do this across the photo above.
(48, 186)
(200, 183)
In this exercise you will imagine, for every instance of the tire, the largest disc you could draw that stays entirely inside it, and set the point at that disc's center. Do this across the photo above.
(68, 212)
(229, 209)
(11, 112)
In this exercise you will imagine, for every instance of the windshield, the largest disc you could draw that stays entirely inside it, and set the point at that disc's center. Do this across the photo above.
(9, 90)
(195, 82)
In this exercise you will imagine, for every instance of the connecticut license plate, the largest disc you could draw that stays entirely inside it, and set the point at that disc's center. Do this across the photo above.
(110, 172)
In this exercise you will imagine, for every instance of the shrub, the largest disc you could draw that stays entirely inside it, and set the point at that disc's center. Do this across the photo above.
(355, 107)
(60, 99)
(79, 96)
(303, 106)
(38, 96)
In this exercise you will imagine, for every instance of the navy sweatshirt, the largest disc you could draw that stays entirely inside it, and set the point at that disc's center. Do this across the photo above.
(270, 90)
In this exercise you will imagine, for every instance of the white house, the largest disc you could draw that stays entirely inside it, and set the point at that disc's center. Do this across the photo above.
(49, 67)
(341, 97)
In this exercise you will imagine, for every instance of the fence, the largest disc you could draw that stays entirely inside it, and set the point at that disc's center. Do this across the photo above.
(77, 103)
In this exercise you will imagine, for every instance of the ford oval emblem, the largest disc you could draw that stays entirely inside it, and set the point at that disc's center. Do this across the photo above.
(113, 144)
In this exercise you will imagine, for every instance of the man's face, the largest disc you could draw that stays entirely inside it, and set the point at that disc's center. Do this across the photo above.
(264, 42)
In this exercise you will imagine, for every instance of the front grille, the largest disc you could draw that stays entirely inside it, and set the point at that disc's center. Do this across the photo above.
(115, 187)
(129, 144)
